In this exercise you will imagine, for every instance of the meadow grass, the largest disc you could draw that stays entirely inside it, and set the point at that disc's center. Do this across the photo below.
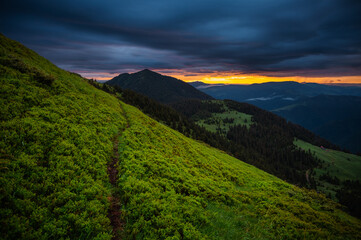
(219, 120)
(344, 166)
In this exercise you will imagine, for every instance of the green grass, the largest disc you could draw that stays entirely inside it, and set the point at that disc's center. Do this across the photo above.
(344, 166)
(56, 141)
(174, 187)
(218, 120)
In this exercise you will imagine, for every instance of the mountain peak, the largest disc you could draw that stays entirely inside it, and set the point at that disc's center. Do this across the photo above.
(147, 71)
(163, 88)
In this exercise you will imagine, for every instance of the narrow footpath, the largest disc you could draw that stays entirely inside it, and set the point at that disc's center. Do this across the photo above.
(114, 213)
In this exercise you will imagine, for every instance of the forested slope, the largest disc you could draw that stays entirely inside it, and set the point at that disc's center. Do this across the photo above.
(262, 138)
(57, 134)
(174, 186)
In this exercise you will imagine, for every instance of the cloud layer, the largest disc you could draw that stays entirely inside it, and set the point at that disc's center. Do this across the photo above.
(273, 38)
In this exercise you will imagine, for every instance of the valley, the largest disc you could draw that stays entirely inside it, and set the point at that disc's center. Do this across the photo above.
(255, 136)
(331, 111)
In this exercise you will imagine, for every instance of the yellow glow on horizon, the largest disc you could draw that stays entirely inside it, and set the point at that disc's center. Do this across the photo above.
(233, 78)
(251, 79)
(243, 79)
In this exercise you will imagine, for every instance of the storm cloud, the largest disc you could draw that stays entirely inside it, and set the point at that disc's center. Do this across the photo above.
(274, 38)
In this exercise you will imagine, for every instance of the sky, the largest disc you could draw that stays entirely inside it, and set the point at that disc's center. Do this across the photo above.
(212, 41)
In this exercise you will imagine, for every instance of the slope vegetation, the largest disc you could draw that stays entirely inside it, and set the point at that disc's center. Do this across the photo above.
(257, 137)
(338, 176)
(56, 140)
(57, 136)
(175, 187)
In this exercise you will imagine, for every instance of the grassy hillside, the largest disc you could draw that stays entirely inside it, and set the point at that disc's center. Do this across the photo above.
(221, 121)
(337, 168)
(257, 137)
(57, 136)
(55, 143)
(174, 186)
(345, 166)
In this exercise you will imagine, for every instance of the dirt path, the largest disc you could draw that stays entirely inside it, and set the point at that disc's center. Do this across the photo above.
(114, 212)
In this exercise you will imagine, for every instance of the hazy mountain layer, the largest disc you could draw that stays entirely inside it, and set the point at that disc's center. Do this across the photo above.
(336, 118)
(274, 95)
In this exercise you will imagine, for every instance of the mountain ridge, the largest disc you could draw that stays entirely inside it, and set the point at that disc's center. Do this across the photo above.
(159, 87)
(291, 89)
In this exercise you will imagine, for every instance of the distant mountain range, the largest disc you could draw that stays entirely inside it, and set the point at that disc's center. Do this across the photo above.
(273, 95)
(336, 118)
(159, 87)
(333, 112)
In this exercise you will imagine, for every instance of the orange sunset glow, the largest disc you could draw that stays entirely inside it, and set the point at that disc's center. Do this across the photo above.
(250, 79)
(239, 78)
(232, 78)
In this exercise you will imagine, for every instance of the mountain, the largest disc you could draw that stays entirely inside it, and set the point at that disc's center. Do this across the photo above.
(256, 137)
(279, 147)
(255, 148)
(336, 118)
(275, 95)
(264, 140)
(159, 87)
(78, 163)
(333, 112)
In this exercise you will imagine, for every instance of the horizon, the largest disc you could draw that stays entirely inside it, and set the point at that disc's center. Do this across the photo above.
(331, 83)
(249, 155)
(212, 42)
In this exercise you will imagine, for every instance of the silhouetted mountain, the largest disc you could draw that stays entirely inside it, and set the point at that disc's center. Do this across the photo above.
(274, 95)
(159, 87)
(336, 118)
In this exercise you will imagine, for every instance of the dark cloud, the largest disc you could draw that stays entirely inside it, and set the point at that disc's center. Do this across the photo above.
(277, 38)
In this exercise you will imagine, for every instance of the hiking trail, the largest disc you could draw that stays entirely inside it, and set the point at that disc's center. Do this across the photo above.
(114, 212)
